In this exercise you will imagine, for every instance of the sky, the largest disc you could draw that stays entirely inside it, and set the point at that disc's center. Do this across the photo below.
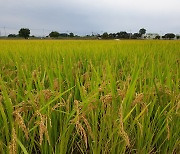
(89, 16)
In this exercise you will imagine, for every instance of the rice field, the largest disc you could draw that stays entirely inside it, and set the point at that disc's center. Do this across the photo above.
(94, 97)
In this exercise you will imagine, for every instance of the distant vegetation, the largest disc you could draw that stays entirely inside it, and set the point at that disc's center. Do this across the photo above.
(25, 33)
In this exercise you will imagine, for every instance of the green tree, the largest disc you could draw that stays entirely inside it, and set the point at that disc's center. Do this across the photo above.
(112, 35)
(142, 31)
(105, 35)
(169, 36)
(136, 36)
(54, 34)
(123, 35)
(24, 32)
(157, 37)
(71, 34)
(12, 35)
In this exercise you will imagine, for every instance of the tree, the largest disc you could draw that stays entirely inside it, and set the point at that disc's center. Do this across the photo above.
(12, 35)
(123, 35)
(63, 35)
(71, 34)
(157, 37)
(54, 34)
(135, 36)
(177, 37)
(24, 32)
(112, 35)
(169, 36)
(142, 31)
(105, 35)
(163, 37)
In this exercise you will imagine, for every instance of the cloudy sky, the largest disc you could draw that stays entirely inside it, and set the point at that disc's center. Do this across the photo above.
(87, 16)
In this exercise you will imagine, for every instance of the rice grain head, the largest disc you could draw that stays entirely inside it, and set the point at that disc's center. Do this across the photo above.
(19, 120)
(121, 127)
(42, 128)
(13, 144)
(106, 99)
(88, 126)
(67, 104)
(121, 93)
(47, 94)
(168, 129)
(82, 132)
(56, 84)
(138, 99)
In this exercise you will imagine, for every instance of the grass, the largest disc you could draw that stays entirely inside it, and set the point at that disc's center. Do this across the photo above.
(89, 97)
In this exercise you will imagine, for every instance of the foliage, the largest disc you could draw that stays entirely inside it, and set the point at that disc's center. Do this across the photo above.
(12, 35)
(112, 35)
(105, 35)
(123, 35)
(71, 34)
(24, 32)
(169, 36)
(63, 35)
(142, 31)
(89, 97)
(54, 34)
(135, 36)
(157, 37)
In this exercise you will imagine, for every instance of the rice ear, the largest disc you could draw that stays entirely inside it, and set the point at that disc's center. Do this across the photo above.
(13, 144)
(121, 127)
(19, 120)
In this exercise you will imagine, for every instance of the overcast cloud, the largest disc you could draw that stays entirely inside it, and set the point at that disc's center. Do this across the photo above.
(87, 16)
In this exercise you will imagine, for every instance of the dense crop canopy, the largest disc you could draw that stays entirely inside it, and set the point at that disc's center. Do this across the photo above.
(89, 97)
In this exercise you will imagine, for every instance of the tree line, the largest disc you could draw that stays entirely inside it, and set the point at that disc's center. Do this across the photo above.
(25, 33)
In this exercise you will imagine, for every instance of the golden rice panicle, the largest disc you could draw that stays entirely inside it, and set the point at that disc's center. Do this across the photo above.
(12, 94)
(121, 93)
(19, 120)
(79, 126)
(84, 90)
(106, 99)
(82, 132)
(87, 85)
(138, 99)
(76, 102)
(140, 127)
(121, 127)
(67, 104)
(47, 94)
(168, 129)
(13, 144)
(35, 74)
(56, 84)
(57, 106)
(43, 128)
(85, 76)
(178, 107)
(88, 126)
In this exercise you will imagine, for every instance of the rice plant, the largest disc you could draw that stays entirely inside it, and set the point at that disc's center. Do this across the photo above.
(100, 97)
